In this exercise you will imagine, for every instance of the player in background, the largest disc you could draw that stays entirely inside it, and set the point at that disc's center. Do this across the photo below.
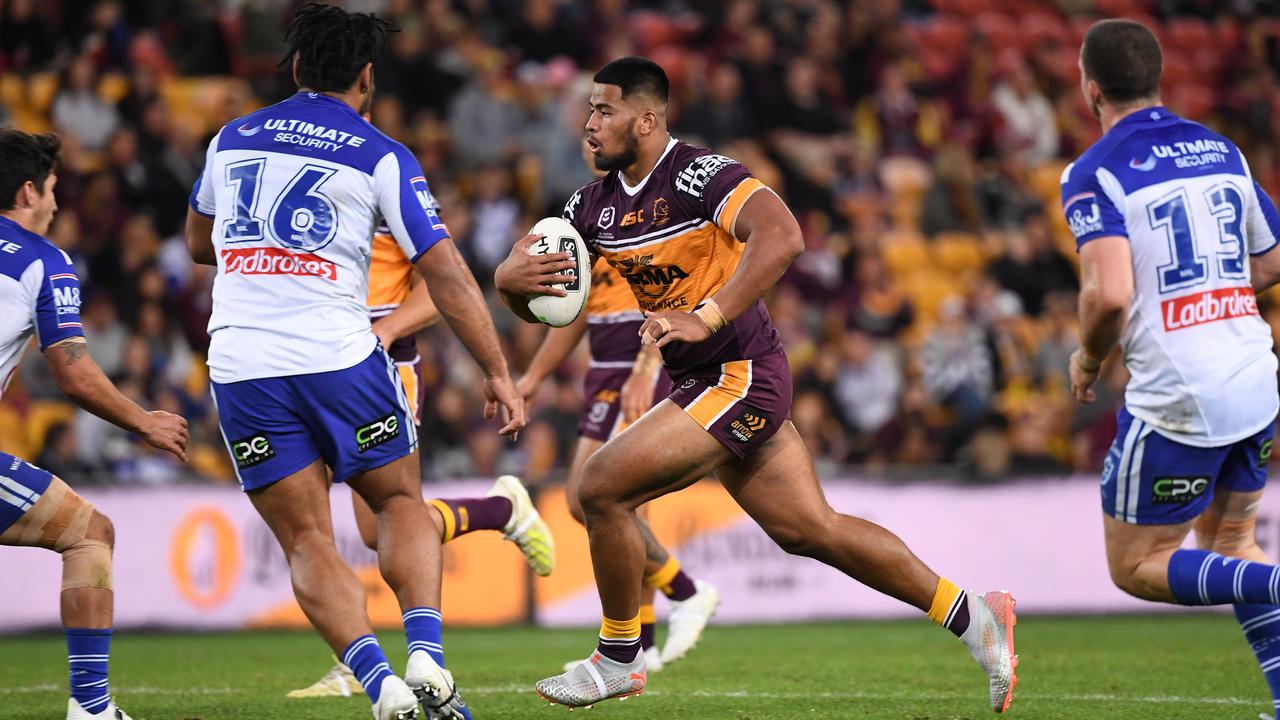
(700, 241)
(1174, 238)
(400, 306)
(40, 295)
(622, 382)
(285, 208)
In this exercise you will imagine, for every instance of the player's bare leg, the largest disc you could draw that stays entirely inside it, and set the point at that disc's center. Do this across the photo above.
(693, 602)
(778, 488)
(62, 521)
(660, 453)
(409, 558)
(1228, 527)
(1138, 556)
(296, 508)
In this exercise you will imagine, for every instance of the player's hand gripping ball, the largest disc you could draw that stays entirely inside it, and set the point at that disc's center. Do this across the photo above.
(558, 236)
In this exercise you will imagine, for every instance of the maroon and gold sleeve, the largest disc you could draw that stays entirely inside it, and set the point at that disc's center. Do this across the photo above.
(715, 186)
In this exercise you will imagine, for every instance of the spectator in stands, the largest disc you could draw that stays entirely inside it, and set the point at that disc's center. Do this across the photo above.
(483, 120)
(1028, 127)
(719, 113)
(59, 456)
(1031, 266)
(868, 384)
(956, 365)
(77, 109)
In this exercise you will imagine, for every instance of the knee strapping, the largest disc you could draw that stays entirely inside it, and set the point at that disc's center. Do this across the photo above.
(87, 564)
(58, 521)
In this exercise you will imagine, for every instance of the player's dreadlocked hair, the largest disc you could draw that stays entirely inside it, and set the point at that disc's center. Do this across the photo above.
(24, 157)
(333, 45)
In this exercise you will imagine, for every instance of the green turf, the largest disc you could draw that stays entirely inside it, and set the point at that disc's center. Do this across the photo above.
(1177, 666)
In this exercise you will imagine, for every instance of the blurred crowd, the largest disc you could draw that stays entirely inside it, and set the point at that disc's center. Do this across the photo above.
(919, 143)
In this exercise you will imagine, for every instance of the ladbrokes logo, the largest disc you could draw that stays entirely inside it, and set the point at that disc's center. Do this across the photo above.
(274, 261)
(1208, 306)
(377, 432)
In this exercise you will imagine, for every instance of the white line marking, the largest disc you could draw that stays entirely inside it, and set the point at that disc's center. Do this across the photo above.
(868, 695)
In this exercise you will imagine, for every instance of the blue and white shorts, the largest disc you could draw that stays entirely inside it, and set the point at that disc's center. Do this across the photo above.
(21, 485)
(1148, 479)
(356, 419)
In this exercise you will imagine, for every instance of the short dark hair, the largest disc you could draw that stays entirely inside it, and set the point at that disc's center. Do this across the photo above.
(25, 157)
(636, 75)
(1123, 57)
(333, 45)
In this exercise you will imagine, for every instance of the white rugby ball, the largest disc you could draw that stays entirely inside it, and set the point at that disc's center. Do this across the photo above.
(559, 236)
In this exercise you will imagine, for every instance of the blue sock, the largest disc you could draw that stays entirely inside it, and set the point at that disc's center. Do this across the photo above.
(1261, 625)
(422, 629)
(87, 653)
(368, 663)
(1199, 577)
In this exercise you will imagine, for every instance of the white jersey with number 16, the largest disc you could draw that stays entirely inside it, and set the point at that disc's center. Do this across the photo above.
(1202, 369)
(295, 191)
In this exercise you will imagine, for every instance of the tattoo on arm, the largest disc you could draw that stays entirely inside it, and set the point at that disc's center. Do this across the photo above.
(72, 352)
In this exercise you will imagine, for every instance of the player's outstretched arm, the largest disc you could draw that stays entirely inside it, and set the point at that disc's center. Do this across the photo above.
(773, 240)
(199, 233)
(556, 346)
(416, 313)
(523, 275)
(83, 381)
(463, 307)
(1106, 288)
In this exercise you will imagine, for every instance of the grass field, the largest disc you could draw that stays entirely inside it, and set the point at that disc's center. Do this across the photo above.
(1176, 666)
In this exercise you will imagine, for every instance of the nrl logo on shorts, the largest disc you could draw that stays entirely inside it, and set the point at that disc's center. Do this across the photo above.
(377, 432)
(252, 450)
(746, 425)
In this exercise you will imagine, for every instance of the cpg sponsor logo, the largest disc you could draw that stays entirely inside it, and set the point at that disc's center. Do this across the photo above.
(252, 450)
(1169, 490)
(749, 422)
(1264, 453)
(371, 435)
(1208, 306)
(275, 261)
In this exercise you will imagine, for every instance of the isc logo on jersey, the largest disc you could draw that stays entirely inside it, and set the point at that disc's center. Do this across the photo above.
(1083, 214)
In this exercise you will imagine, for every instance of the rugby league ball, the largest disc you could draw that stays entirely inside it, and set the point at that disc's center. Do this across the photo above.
(559, 236)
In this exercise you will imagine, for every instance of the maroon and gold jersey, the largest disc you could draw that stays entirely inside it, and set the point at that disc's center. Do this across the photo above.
(613, 319)
(671, 239)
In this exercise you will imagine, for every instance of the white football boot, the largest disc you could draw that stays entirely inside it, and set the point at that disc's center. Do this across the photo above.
(526, 528)
(687, 619)
(990, 641)
(110, 712)
(338, 682)
(435, 688)
(395, 701)
(594, 679)
(652, 660)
